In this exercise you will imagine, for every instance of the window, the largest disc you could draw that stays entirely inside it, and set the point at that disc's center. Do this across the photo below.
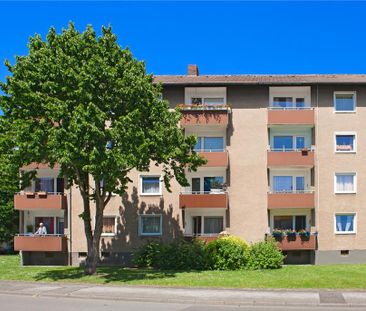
(345, 102)
(196, 101)
(209, 101)
(282, 102)
(345, 143)
(150, 185)
(282, 184)
(60, 225)
(198, 146)
(345, 183)
(300, 183)
(45, 184)
(109, 225)
(283, 222)
(297, 222)
(48, 222)
(213, 225)
(300, 223)
(300, 142)
(287, 143)
(214, 144)
(283, 143)
(289, 102)
(150, 225)
(345, 223)
(209, 144)
(214, 101)
(211, 183)
(196, 185)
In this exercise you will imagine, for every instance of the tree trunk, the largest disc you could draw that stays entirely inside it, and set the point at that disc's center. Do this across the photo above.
(92, 258)
(93, 237)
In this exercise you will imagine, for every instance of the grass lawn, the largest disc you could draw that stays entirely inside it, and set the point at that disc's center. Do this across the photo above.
(331, 276)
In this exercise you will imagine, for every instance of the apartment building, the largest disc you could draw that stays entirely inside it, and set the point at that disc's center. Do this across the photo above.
(284, 152)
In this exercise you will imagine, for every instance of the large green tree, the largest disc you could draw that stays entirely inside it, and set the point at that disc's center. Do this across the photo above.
(9, 184)
(84, 102)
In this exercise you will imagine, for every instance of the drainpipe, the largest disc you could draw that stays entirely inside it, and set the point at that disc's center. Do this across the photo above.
(70, 226)
(317, 163)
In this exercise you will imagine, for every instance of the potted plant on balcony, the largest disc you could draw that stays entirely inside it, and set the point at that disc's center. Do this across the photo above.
(29, 229)
(277, 234)
(291, 235)
(304, 151)
(216, 186)
(304, 235)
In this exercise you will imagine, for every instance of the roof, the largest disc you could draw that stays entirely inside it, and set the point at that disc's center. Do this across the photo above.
(262, 79)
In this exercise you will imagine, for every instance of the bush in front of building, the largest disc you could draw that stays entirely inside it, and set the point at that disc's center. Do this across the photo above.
(227, 253)
(265, 255)
(178, 255)
(147, 256)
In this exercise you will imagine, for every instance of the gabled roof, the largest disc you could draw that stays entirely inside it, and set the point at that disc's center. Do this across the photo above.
(296, 79)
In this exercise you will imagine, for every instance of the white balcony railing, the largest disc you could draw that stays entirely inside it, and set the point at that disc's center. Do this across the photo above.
(210, 150)
(291, 191)
(272, 107)
(213, 191)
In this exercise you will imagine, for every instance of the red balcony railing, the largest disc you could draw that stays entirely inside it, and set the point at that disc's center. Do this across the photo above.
(203, 200)
(40, 243)
(39, 200)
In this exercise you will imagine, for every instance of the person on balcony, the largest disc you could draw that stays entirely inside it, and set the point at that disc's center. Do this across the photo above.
(41, 230)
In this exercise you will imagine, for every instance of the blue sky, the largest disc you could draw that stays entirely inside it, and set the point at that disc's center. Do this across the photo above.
(221, 37)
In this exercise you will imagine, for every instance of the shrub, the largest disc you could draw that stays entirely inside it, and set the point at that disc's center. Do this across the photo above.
(147, 256)
(179, 255)
(265, 255)
(226, 253)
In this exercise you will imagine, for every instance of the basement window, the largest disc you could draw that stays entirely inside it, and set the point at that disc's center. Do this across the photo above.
(344, 252)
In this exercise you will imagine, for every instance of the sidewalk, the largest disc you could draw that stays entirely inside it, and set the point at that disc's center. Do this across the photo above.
(187, 295)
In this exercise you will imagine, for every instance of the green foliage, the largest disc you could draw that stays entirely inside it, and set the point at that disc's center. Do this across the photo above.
(179, 255)
(227, 253)
(9, 184)
(265, 255)
(86, 103)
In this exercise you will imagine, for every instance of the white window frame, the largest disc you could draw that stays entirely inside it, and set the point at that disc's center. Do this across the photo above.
(150, 194)
(150, 215)
(354, 183)
(354, 142)
(345, 93)
(115, 226)
(345, 232)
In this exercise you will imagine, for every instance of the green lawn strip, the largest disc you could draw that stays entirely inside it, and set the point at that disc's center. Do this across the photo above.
(330, 276)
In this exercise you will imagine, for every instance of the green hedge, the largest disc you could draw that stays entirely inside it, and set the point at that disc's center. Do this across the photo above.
(225, 253)
(180, 255)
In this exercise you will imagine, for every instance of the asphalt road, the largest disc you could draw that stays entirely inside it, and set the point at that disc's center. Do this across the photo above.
(38, 303)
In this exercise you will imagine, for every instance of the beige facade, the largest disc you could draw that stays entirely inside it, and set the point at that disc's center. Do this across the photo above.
(251, 169)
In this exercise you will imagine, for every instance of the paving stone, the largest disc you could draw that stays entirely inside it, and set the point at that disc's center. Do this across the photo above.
(328, 297)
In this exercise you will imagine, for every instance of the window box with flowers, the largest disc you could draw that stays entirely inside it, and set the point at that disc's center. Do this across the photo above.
(277, 234)
(291, 235)
(304, 235)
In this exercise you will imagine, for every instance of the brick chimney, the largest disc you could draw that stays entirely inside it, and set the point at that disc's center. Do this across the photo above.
(193, 70)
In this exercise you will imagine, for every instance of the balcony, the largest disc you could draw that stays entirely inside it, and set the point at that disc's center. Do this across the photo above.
(194, 115)
(303, 116)
(298, 242)
(39, 200)
(203, 199)
(295, 199)
(37, 243)
(215, 159)
(290, 158)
